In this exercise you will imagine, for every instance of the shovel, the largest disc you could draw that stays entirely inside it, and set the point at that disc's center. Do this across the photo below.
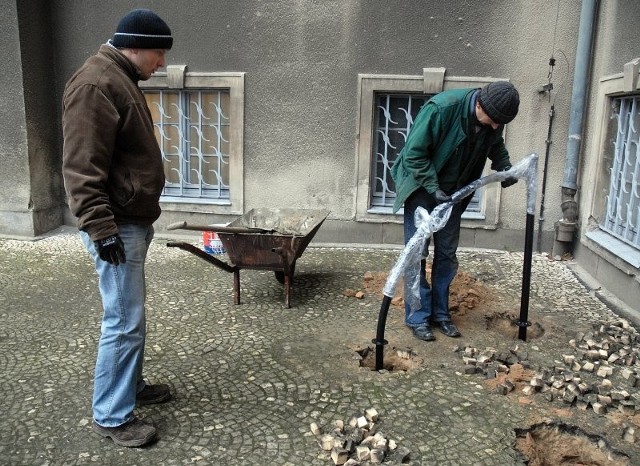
(217, 228)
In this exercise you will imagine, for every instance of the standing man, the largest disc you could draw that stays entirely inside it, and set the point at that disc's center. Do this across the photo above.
(113, 175)
(453, 135)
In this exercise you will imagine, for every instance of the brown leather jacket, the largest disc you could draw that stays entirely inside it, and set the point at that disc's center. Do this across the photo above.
(112, 165)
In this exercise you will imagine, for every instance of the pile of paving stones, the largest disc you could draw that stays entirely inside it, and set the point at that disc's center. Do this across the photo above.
(358, 442)
(601, 373)
(490, 362)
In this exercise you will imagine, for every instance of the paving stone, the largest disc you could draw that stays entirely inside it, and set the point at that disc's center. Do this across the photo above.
(250, 380)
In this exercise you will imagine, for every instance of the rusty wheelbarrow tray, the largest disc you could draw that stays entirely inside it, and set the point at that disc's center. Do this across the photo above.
(262, 239)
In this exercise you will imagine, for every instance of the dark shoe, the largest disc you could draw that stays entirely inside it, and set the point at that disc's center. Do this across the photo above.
(153, 394)
(447, 327)
(423, 332)
(134, 433)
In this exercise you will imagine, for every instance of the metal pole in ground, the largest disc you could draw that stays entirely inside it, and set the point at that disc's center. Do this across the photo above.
(523, 323)
(429, 224)
(379, 340)
(531, 180)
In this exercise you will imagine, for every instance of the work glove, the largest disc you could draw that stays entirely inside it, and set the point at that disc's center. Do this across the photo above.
(509, 181)
(111, 249)
(440, 196)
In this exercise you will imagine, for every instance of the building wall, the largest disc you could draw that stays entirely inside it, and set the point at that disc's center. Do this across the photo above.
(31, 202)
(611, 263)
(14, 167)
(301, 62)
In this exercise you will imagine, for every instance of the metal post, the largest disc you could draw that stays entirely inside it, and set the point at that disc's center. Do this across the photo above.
(379, 340)
(544, 177)
(523, 323)
(526, 168)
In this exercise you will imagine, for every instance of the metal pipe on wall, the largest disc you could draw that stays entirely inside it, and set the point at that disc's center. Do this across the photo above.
(567, 226)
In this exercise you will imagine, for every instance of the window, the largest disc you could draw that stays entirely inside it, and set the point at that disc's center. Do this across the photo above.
(388, 107)
(198, 119)
(394, 116)
(192, 129)
(612, 193)
(623, 201)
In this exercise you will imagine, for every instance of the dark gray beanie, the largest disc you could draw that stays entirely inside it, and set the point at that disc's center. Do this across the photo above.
(142, 29)
(500, 101)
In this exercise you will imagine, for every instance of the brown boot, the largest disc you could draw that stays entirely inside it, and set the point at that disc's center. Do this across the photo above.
(134, 433)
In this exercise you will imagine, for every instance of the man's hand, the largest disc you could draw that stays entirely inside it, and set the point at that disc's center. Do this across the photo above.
(440, 196)
(509, 181)
(111, 249)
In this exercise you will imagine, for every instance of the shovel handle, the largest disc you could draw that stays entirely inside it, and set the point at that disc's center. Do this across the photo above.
(222, 229)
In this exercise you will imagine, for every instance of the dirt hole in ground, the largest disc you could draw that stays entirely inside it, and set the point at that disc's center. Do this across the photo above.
(507, 324)
(394, 359)
(465, 293)
(553, 443)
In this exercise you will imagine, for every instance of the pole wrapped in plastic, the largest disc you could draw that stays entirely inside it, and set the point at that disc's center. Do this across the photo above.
(408, 264)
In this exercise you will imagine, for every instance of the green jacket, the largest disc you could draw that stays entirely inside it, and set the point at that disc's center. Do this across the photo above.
(443, 150)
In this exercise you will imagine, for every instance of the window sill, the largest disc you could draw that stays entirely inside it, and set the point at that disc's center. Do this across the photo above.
(194, 200)
(618, 248)
(387, 211)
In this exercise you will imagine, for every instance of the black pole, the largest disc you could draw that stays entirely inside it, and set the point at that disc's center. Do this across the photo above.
(526, 279)
(531, 164)
(544, 177)
(379, 340)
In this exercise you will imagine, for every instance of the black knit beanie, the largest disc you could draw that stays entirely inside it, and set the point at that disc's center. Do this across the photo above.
(142, 29)
(500, 101)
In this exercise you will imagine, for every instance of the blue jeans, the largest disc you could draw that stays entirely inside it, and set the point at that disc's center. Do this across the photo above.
(118, 373)
(434, 299)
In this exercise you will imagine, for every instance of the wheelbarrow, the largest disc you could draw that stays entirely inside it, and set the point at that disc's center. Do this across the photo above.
(262, 239)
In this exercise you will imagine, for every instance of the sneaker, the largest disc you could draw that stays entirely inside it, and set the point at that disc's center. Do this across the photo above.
(447, 327)
(134, 433)
(153, 394)
(423, 332)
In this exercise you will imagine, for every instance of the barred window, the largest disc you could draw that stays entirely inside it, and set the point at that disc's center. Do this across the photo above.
(623, 200)
(394, 115)
(192, 129)
(199, 125)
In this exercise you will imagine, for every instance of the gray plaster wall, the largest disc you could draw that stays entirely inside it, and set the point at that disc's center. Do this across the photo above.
(15, 182)
(616, 44)
(41, 105)
(31, 203)
(302, 60)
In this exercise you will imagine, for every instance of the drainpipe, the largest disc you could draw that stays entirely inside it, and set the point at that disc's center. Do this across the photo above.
(566, 227)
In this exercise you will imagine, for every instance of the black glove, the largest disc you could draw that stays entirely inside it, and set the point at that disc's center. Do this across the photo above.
(111, 249)
(509, 181)
(440, 196)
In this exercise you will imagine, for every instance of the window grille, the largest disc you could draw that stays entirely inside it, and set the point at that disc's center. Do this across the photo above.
(192, 129)
(623, 201)
(394, 116)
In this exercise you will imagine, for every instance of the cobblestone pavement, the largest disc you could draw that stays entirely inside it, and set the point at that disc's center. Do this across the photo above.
(248, 380)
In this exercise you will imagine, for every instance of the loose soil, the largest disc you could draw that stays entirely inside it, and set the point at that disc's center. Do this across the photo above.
(552, 444)
(469, 298)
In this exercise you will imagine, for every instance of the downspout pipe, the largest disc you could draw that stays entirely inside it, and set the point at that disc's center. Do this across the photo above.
(566, 227)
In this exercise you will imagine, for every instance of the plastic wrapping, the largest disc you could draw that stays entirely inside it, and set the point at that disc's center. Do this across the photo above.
(408, 264)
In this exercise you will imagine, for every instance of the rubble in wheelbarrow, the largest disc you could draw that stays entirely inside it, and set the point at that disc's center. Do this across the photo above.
(602, 372)
(358, 442)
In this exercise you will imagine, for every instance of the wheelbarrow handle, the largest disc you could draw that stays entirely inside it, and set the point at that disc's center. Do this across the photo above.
(217, 228)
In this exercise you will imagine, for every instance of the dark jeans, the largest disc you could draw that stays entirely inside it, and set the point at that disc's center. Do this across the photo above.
(434, 299)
